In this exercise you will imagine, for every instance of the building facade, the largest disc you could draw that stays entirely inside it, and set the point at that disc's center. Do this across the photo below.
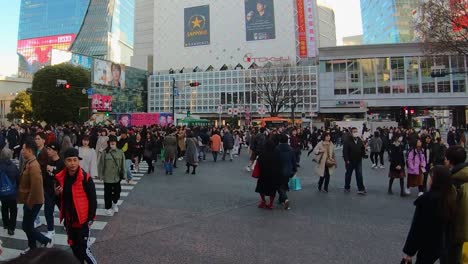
(388, 21)
(89, 27)
(326, 26)
(9, 87)
(390, 79)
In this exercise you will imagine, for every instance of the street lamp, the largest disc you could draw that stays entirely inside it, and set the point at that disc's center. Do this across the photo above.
(173, 98)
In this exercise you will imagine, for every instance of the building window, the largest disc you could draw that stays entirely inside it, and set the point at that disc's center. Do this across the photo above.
(412, 74)
(443, 86)
(368, 75)
(398, 68)
(383, 75)
(459, 86)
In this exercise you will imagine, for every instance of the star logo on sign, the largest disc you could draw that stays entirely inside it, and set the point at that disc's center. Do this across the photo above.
(196, 23)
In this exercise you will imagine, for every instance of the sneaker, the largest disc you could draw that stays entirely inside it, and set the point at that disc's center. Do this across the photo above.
(381, 167)
(24, 252)
(374, 166)
(115, 207)
(361, 192)
(37, 222)
(131, 182)
(181, 158)
(247, 168)
(407, 191)
(109, 212)
(286, 205)
(50, 234)
(420, 193)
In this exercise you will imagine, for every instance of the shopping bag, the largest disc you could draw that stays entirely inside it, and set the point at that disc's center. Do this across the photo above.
(256, 171)
(295, 184)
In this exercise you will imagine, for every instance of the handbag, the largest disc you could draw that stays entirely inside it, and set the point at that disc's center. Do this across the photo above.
(295, 183)
(329, 162)
(256, 171)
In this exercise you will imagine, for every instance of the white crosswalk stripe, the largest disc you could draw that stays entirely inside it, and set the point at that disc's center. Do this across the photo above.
(13, 245)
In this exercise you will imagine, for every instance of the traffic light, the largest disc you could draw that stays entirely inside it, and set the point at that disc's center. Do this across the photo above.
(107, 114)
(194, 84)
(62, 84)
(188, 113)
(67, 86)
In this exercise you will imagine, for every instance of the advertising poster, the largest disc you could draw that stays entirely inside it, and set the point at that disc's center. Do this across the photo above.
(101, 102)
(124, 120)
(259, 20)
(310, 28)
(81, 60)
(165, 119)
(63, 56)
(302, 35)
(109, 74)
(197, 26)
(36, 53)
(144, 119)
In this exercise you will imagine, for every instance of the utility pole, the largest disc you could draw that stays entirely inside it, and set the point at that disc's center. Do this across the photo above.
(173, 101)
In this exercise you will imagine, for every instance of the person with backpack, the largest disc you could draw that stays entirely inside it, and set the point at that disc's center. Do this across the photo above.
(416, 162)
(9, 177)
(456, 159)
(78, 204)
(111, 170)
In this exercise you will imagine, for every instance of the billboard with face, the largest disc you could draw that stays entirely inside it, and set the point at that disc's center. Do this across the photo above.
(109, 74)
(101, 102)
(197, 26)
(259, 20)
(36, 53)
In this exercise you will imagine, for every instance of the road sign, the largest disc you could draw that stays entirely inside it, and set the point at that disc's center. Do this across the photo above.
(220, 109)
(90, 91)
(236, 111)
(229, 111)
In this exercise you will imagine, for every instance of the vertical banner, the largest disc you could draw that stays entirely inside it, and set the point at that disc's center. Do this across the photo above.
(310, 12)
(197, 26)
(301, 32)
(101, 102)
(259, 20)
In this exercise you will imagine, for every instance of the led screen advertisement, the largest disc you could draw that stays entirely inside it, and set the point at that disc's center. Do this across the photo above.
(101, 102)
(259, 20)
(197, 26)
(36, 53)
(109, 74)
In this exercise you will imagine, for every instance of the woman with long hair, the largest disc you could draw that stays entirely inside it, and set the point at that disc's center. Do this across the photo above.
(326, 162)
(397, 164)
(432, 221)
(267, 181)
(416, 167)
(149, 153)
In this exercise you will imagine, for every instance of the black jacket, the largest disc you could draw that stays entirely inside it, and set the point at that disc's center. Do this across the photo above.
(438, 154)
(427, 231)
(397, 158)
(354, 151)
(286, 166)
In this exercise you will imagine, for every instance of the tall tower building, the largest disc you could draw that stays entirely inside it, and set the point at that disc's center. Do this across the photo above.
(98, 28)
(326, 25)
(387, 21)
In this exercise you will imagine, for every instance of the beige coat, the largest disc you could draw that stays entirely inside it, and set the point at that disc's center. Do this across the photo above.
(322, 158)
(31, 191)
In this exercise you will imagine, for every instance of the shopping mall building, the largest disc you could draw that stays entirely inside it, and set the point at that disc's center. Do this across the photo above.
(225, 46)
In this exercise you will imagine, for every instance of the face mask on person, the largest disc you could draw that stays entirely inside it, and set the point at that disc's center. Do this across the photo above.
(400, 139)
(113, 146)
(355, 134)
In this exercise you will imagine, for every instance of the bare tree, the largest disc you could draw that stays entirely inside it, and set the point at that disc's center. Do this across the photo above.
(276, 88)
(442, 26)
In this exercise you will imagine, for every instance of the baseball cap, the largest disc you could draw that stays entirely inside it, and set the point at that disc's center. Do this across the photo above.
(54, 146)
(71, 152)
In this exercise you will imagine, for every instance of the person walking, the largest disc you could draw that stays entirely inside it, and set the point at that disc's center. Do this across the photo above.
(432, 220)
(268, 181)
(78, 204)
(101, 143)
(170, 151)
(416, 167)
(397, 165)
(9, 203)
(353, 153)
(429, 156)
(88, 156)
(228, 144)
(136, 148)
(31, 194)
(111, 170)
(124, 145)
(376, 145)
(191, 155)
(215, 142)
(326, 161)
(181, 142)
(150, 153)
(286, 169)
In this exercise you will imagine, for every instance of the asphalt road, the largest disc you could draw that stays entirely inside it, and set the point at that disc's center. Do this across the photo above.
(212, 217)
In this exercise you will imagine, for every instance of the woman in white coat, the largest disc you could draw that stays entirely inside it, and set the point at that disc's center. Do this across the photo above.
(89, 158)
(326, 162)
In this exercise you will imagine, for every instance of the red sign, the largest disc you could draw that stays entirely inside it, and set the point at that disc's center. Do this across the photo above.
(40, 49)
(101, 102)
(144, 119)
(302, 35)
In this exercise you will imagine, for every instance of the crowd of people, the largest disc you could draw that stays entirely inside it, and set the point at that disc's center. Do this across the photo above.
(54, 159)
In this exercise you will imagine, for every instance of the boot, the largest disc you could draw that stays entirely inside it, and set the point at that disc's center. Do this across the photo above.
(390, 183)
(194, 167)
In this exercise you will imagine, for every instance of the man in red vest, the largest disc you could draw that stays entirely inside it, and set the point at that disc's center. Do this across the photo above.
(78, 203)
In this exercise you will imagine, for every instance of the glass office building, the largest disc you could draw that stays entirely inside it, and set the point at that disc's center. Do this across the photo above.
(229, 89)
(387, 21)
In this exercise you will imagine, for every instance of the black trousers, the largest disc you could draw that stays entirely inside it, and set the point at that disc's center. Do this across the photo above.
(111, 194)
(9, 213)
(81, 244)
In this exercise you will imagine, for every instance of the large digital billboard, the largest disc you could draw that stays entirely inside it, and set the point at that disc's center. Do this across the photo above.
(259, 20)
(197, 26)
(36, 53)
(109, 74)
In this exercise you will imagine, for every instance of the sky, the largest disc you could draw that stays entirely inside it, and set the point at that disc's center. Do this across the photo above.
(347, 20)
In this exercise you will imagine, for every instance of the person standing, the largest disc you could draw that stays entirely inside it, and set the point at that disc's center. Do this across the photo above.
(78, 204)
(267, 182)
(88, 160)
(286, 168)
(181, 142)
(375, 144)
(353, 153)
(326, 161)
(416, 167)
(435, 211)
(215, 142)
(170, 151)
(136, 148)
(31, 194)
(101, 143)
(9, 204)
(428, 154)
(191, 155)
(111, 170)
(228, 144)
(150, 153)
(397, 165)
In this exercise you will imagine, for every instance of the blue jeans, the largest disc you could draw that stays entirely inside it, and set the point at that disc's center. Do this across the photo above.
(32, 233)
(357, 166)
(49, 204)
(128, 164)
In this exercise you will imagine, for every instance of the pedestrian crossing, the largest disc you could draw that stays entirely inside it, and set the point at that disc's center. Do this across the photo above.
(13, 245)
